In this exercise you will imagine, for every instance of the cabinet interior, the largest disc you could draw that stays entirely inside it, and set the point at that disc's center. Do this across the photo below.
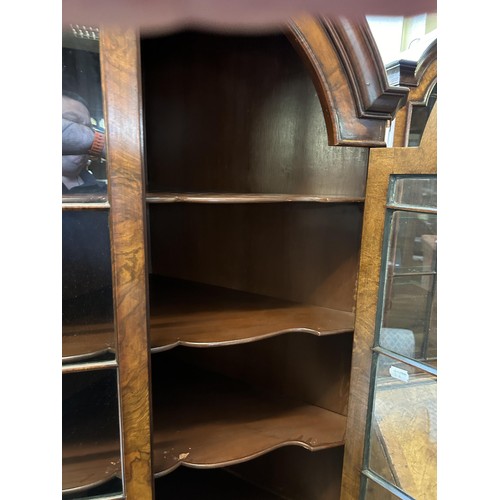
(254, 227)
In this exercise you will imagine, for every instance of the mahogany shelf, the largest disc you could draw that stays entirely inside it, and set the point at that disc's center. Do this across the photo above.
(82, 342)
(199, 315)
(86, 466)
(163, 197)
(205, 420)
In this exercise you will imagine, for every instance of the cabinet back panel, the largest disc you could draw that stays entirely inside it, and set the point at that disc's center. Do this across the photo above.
(300, 366)
(296, 474)
(302, 252)
(239, 114)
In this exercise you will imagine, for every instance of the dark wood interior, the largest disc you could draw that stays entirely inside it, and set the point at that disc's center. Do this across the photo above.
(301, 252)
(238, 114)
(254, 227)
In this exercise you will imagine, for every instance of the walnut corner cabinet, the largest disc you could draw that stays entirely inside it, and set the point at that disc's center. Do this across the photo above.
(212, 335)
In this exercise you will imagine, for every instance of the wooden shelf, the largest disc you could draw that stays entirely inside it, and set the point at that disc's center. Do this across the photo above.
(86, 466)
(248, 198)
(206, 420)
(194, 314)
(83, 342)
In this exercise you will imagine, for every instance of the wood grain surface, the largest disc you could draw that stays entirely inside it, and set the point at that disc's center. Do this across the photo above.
(122, 104)
(206, 420)
(342, 60)
(254, 125)
(194, 314)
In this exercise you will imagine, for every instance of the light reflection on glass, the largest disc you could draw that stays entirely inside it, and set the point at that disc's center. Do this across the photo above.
(403, 447)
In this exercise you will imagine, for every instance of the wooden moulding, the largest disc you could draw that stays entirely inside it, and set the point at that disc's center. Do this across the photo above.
(420, 76)
(383, 163)
(122, 105)
(248, 198)
(350, 79)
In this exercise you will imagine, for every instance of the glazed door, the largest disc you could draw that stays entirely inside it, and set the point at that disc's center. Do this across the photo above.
(391, 431)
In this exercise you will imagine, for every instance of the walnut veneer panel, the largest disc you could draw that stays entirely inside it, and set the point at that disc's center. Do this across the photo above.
(120, 70)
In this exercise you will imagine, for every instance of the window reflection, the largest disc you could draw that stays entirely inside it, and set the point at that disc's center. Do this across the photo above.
(409, 305)
(83, 140)
(87, 296)
(415, 191)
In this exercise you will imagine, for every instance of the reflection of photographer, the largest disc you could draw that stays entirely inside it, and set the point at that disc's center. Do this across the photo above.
(79, 142)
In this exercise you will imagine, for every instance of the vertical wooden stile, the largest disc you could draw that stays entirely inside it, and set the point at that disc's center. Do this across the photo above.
(120, 68)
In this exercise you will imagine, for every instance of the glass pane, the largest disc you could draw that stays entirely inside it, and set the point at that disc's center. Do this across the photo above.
(409, 306)
(415, 191)
(83, 145)
(419, 117)
(412, 243)
(90, 434)
(87, 297)
(373, 491)
(403, 429)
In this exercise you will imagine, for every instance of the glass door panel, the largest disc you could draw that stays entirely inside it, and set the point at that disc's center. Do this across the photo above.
(400, 445)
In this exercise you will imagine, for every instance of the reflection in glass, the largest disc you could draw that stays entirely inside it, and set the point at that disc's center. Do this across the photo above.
(87, 306)
(409, 306)
(403, 432)
(419, 117)
(83, 145)
(416, 191)
(90, 434)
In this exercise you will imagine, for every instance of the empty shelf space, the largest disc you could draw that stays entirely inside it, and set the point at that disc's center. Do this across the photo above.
(215, 484)
(206, 420)
(194, 314)
(248, 198)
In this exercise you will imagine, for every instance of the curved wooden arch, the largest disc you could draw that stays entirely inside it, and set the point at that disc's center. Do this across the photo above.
(350, 79)
(421, 77)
